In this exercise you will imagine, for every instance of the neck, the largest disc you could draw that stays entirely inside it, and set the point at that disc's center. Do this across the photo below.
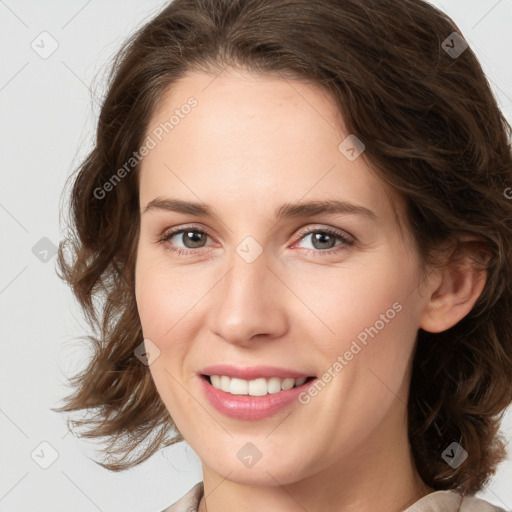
(380, 475)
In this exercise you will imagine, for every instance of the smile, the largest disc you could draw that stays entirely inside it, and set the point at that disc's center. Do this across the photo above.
(256, 387)
(252, 393)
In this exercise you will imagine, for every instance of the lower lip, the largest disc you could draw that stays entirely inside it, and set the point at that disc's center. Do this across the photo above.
(248, 407)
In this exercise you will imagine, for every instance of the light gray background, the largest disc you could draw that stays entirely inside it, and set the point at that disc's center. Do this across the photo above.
(47, 122)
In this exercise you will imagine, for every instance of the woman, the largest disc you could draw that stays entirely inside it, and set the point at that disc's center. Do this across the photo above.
(296, 217)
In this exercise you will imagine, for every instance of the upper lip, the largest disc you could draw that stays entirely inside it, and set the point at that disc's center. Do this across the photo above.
(252, 372)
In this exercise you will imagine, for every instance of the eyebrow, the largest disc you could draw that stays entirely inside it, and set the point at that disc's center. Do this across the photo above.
(287, 210)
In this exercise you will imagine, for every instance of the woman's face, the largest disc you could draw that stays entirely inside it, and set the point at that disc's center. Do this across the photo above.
(269, 286)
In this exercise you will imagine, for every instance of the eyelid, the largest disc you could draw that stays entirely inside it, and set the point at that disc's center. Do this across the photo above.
(327, 229)
(184, 227)
(347, 239)
(299, 234)
(170, 232)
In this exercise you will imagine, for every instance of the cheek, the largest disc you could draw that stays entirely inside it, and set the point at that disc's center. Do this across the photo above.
(163, 296)
(370, 304)
(163, 303)
(170, 305)
(150, 302)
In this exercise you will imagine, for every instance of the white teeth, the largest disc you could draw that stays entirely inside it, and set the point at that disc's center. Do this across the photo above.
(274, 385)
(287, 384)
(224, 383)
(256, 387)
(300, 381)
(238, 387)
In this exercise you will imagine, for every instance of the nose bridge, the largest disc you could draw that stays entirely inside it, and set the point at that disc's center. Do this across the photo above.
(247, 301)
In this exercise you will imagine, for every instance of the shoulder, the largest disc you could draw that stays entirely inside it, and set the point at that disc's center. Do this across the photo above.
(451, 501)
(438, 501)
(471, 503)
(189, 502)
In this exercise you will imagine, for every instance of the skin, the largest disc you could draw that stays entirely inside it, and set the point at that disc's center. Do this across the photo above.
(253, 143)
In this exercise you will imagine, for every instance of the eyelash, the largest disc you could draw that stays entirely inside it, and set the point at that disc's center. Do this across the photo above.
(346, 242)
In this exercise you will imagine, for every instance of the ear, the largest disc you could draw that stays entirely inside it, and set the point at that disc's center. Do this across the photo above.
(454, 289)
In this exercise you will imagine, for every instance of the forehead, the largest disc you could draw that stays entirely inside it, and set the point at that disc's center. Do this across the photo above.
(256, 139)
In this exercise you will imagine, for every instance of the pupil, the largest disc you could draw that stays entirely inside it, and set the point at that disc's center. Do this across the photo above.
(194, 238)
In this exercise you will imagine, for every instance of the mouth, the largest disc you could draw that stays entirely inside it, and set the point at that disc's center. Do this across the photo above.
(253, 392)
(256, 387)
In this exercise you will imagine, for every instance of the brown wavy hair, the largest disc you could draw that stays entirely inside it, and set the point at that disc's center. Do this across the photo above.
(432, 130)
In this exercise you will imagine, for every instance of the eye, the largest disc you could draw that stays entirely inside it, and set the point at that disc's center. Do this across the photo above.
(323, 240)
(191, 238)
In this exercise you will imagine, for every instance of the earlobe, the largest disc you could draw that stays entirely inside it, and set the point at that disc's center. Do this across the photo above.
(453, 297)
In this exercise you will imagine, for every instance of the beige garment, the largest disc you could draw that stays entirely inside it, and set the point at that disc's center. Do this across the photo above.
(448, 501)
(438, 501)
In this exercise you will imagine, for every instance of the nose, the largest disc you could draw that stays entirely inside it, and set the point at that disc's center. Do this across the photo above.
(249, 301)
